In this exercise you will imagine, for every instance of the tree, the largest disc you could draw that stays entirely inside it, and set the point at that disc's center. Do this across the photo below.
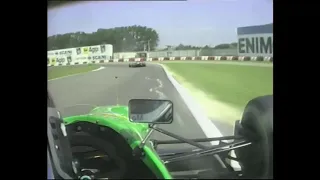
(222, 46)
(234, 45)
(130, 38)
(186, 47)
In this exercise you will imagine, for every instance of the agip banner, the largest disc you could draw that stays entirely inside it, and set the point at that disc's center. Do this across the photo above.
(61, 56)
(99, 52)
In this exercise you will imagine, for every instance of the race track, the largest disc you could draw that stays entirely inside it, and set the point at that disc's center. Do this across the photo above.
(102, 88)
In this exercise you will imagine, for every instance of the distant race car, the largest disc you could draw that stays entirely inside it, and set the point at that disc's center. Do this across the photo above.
(137, 64)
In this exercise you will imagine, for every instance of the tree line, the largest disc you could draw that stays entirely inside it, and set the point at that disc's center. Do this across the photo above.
(123, 39)
(189, 47)
(130, 38)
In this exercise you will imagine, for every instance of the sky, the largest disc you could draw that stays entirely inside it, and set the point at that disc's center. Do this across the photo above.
(192, 22)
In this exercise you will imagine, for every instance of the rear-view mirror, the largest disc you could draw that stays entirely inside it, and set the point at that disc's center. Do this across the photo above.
(154, 111)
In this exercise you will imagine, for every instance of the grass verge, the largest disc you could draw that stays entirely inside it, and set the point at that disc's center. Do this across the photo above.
(223, 87)
(60, 71)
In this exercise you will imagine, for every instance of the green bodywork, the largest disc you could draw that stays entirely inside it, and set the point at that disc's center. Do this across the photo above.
(116, 118)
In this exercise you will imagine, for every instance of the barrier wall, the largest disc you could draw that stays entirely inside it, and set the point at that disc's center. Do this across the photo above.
(181, 53)
(218, 52)
(176, 53)
(189, 58)
(124, 55)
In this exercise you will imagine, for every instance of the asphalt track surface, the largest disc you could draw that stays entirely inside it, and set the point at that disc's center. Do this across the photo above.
(101, 88)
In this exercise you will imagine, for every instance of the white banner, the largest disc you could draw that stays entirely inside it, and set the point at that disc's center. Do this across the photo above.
(106, 50)
(80, 54)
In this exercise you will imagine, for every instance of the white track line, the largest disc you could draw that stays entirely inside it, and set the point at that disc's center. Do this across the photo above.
(100, 68)
(209, 129)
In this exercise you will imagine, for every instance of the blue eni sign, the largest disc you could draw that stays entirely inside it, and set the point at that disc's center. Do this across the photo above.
(255, 40)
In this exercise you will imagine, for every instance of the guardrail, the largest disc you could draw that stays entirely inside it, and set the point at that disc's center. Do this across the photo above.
(199, 58)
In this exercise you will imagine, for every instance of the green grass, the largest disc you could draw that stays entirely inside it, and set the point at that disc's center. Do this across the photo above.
(60, 71)
(229, 83)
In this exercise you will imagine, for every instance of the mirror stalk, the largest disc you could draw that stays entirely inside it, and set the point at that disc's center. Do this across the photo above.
(138, 151)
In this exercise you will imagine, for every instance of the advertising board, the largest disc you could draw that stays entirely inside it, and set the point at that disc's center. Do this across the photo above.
(255, 40)
(62, 52)
(81, 54)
